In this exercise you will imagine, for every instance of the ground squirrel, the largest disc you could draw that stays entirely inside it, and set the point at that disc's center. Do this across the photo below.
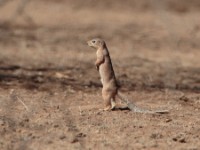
(110, 87)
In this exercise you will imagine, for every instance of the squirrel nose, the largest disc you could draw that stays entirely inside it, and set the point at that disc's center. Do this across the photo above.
(88, 42)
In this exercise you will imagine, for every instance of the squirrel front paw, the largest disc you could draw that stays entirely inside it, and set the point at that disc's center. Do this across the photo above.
(97, 67)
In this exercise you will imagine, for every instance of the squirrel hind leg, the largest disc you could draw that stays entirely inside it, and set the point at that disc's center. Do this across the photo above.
(113, 103)
(109, 102)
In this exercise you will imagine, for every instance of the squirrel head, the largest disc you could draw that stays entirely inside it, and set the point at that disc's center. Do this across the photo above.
(96, 43)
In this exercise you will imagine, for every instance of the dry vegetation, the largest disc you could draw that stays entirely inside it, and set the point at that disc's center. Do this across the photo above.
(50, 92)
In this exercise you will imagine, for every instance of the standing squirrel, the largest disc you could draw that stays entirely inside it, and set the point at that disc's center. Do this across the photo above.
(110, 87)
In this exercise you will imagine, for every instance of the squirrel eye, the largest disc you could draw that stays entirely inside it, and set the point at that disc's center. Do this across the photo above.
(93, 41)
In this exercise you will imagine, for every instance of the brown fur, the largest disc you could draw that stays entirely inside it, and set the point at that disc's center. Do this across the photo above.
(110, 88)
(104, 66)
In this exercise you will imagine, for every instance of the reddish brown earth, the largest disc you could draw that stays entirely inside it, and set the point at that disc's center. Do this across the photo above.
(50, 92)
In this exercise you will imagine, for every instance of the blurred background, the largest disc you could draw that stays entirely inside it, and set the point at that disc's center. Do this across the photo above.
(155, 42)
(50, 91)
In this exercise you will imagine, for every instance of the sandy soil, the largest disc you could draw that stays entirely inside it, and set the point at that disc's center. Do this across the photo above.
(50, 92)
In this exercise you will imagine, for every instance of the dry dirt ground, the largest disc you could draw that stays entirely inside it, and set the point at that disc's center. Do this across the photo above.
(50, 92)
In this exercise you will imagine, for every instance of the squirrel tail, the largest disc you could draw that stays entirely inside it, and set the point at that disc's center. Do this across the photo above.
(132, 106)
(135, 108)
(123, 98)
